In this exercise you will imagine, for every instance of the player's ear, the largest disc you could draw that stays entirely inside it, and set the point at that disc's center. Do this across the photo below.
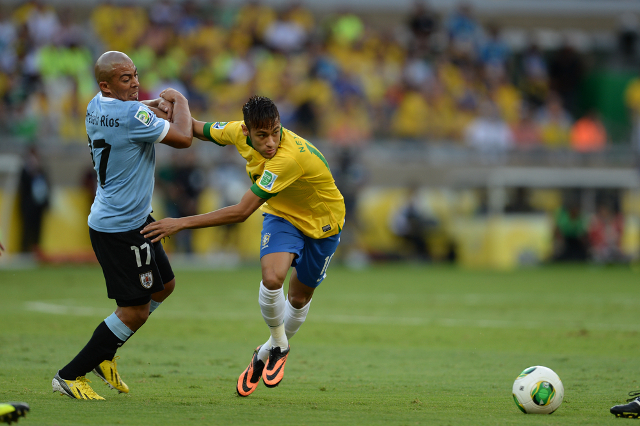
(245, 130)
(104, 87)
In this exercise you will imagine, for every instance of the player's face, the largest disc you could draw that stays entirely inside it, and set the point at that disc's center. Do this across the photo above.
(266, 141)
(124, 84)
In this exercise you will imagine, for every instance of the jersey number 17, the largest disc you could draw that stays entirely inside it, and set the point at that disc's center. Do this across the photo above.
(104, 158)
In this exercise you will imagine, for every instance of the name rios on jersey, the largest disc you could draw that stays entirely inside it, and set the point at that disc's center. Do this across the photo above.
(101, 120)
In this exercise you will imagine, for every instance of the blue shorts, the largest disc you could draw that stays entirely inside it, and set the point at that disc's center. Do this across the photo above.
(312, 256)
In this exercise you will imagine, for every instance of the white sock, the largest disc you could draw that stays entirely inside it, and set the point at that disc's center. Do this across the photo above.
(272, 306)
(263, 353)
(293, 318)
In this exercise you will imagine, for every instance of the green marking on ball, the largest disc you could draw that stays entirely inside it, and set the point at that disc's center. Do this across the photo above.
(543, 393)
(520, 406)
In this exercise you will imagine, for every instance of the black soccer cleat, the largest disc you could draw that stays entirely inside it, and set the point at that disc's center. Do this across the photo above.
(250, 377)
(630, 410)
(274, 371)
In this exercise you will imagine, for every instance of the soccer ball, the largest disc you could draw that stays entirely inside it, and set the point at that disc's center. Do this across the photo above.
(538, 390)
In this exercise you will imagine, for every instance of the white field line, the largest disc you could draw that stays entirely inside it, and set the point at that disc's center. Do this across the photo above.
(70, 309)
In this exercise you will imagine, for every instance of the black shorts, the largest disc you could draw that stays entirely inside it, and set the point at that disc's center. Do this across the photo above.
(134, 268)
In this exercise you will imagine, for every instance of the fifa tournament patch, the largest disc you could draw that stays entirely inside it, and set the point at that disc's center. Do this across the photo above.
(143, 115)
(326, 228)
(146, 279)
(220, 124)
(267, 180)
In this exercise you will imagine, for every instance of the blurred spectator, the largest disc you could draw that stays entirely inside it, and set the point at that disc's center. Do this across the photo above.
(526, 132)
(412, 223)
(351, 177)
(347, 29)
(230, 182)
(519, 201)
(188, 22)
(409, 121)
(565, 75)
(253, 19)
(555, 123)
(42, 23)
(118, 33)
(165, 13)
(534, 78)
(351, 125)
(628, 34)
(34, 196)
(423, 22)
(494, 53)
(570, 234)
(605, 235)
(588, 134)
(285, 35)
(8, 40)
(464, 33)
(489, 133)
(182, 182)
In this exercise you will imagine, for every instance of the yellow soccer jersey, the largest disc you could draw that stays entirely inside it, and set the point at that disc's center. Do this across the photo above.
(296, 182)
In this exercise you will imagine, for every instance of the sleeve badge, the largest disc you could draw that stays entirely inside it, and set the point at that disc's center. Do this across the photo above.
(143, 115)
(267, 180)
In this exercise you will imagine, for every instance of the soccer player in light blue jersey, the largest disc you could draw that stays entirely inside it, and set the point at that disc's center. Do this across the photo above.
(122, 134)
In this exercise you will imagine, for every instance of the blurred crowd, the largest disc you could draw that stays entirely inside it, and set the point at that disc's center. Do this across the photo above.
(438, 78)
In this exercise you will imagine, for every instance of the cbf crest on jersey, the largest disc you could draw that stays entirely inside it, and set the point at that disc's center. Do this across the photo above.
(143, 115)
(146, 279)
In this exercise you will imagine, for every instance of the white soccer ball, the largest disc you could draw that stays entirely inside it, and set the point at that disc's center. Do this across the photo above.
(538, 390)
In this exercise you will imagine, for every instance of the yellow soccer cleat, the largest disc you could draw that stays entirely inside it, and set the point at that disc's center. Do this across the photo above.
(108, 372)
(11, 411)
(78, 388)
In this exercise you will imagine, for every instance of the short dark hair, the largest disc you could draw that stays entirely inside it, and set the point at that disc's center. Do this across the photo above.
(260, 113)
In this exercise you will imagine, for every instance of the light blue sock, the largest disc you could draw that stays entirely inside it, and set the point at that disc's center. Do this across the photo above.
(154, 305)
(117, 327)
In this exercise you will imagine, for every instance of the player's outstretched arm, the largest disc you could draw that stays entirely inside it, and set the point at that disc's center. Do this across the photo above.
(180, 133)
(225, 216)
(198, 129)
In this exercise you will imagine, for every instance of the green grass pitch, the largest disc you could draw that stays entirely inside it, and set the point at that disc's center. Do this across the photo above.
(392, 345)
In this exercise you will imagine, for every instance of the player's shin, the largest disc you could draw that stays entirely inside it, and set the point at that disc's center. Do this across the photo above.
(293, 318)
(106, 339)
(272, 306)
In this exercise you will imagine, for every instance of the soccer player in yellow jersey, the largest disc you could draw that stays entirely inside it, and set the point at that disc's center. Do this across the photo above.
(303, 216)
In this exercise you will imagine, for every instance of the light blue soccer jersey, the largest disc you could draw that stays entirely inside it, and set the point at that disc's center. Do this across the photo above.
(121, 138)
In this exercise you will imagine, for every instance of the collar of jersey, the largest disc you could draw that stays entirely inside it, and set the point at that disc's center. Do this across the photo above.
(251, 144)
(103, 98)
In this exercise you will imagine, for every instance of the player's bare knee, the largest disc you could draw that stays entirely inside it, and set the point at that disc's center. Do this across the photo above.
(133, 317)
(299, 301)
(272, 281)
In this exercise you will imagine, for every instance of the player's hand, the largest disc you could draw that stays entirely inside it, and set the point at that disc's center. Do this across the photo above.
(166, 107)
(161, 229)
(171, 95)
